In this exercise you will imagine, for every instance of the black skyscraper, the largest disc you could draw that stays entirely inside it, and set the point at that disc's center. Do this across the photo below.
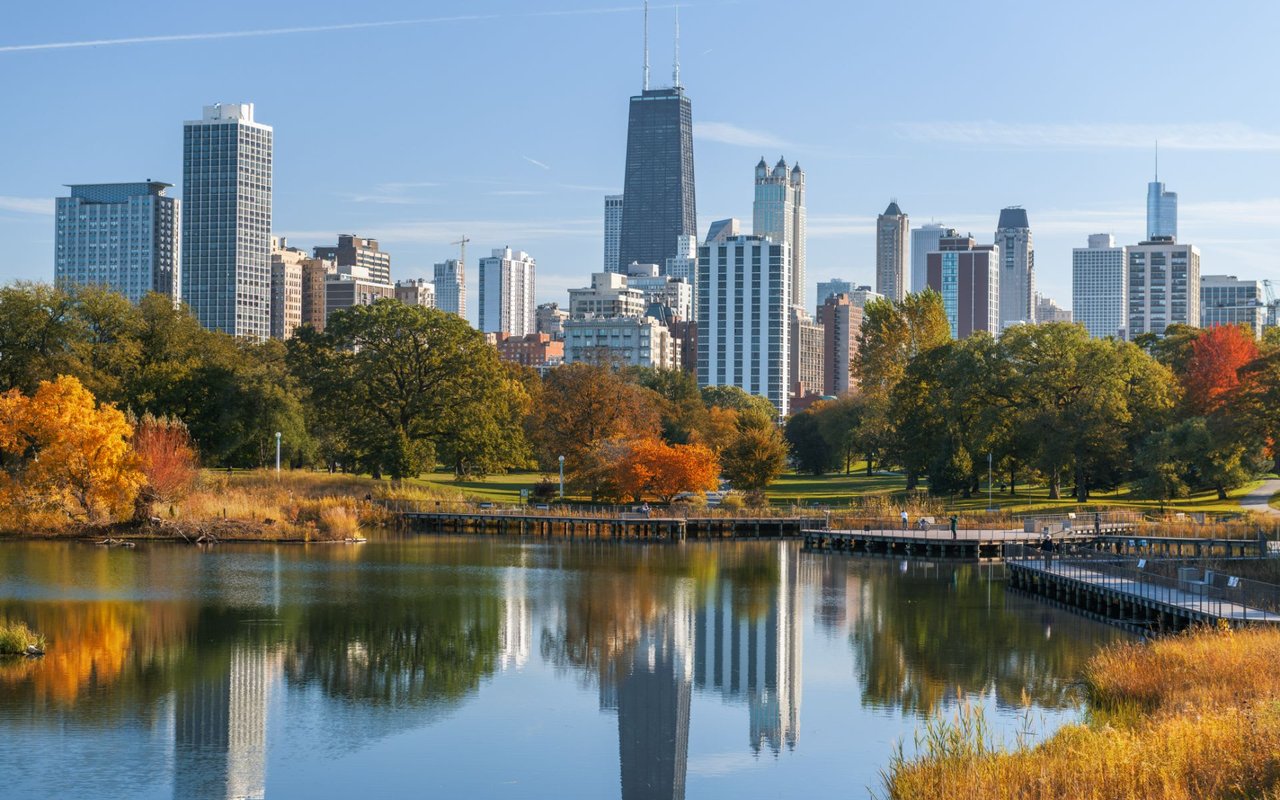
(658, 204)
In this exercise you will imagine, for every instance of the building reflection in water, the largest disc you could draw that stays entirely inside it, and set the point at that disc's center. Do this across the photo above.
(516, 629)
(220, 728)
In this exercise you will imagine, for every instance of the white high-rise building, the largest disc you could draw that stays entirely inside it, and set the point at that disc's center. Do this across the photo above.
(891, 252)
(924, 240)
(120, 236)
(779, 213)
(607, 296)
(1100, 287)
(1164, 286)
(506, 293)
(684, 266)
(612, 231)
(416, 292)
(226, 227)
(1227, 300)
(665, 290)
(1017, 267)
(451, 287)
(744, 295)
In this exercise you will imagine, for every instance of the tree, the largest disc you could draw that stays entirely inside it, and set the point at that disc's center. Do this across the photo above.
(36, 328)
(61, 453)
(1213, 368)
(651, 467)
(840, 424)
(167, 460)
(755, 458)
(683, 411)
(810, 450)
(737, 399)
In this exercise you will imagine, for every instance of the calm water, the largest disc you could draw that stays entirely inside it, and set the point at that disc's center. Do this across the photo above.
(503, 669)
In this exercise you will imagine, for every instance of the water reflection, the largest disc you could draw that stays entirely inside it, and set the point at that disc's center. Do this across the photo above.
(202, 666)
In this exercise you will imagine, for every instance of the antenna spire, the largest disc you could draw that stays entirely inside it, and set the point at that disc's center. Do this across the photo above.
(1157, 160)
(646, 45)
(676, 72)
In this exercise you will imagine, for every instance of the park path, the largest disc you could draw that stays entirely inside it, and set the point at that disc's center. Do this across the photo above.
(1259, 499)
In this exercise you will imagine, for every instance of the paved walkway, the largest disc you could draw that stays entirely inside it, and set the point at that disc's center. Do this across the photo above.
(1259, 499)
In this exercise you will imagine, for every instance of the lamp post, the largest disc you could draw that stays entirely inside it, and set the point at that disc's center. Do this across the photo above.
(561, 477)
(988, 480)
(277, 454)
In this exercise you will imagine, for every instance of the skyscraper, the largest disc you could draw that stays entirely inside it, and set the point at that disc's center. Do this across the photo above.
(120, 236)
(286, 288)
(1100, 287)
(612, 231)
(226, 230)
(891, 252)
(657, 188)
(506, 293)
(723, 229)
(806, 355)
(1162, 208)
(841, 320)
(1017, 267)
(924, 240)
(352, 251)
(778, 212)
(744, 292)
(451, 287)
(831, 288)
(967, 275)
(1227, 300)
(1164, 286)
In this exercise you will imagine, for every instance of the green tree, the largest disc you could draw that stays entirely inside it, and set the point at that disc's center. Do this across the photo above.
(810, 450)
(840, 423)
(737, 399)
(37, 326)
(754, 459)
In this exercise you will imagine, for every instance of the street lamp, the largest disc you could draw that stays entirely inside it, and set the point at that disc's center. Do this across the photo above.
(989, 480)
(277, 454)
(561, 477)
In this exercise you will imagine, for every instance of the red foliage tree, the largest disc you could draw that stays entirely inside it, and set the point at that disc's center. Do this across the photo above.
(167, 459)
(1213, 371)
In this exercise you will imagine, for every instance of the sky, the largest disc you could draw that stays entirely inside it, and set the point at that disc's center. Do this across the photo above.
(418, 122)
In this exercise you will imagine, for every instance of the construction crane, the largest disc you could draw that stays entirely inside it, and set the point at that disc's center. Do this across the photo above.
(462, 256)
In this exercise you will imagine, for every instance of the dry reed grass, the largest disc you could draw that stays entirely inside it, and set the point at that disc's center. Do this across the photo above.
(15, 637)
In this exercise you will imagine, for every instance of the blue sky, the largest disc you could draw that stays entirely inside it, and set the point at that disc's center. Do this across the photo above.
(506, 120)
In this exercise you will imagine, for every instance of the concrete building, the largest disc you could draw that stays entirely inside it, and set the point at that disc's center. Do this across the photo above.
(891, 252)
(1049, 311)
(723, 229)
(841, 321)
(612, 231)
(119, 236)
(506, 292)
(685, 333)
(1017, 267)
(967, 275)
(353, 251)
(778, 213)
(608, 296)
(1227, 300)
(451, 287)
(532, 350)
(315, 272)
(806, 355)
(633, 341)
(549, 318)
(1164, 286)
(226, 224)
(286, 288)
(684, 266)
(416, 292)
(924, 240)
(674, 293)
(1100, 287)
(658, 187)
(744, 335)
(831, 288)
(861, 295)
(353, 286)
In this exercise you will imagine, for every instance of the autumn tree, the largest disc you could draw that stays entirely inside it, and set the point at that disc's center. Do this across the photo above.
(1213, 369)
(653, 468)
(167, 459)
(754, 459)
(63, 454)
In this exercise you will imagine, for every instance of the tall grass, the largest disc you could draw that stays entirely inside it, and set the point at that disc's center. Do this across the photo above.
(1193, 716)
(15, 637)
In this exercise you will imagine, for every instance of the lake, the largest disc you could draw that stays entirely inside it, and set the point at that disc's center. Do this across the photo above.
(503, 668)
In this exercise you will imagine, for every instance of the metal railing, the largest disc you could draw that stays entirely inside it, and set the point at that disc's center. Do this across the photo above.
(1215, 594)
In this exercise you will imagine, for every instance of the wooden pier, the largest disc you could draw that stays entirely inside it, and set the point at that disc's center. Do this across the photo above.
(617, 526)
(967, 545)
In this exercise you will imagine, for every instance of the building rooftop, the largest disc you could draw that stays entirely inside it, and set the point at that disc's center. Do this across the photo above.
(1013, 217)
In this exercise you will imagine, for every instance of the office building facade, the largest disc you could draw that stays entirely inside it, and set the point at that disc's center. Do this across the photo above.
(967, 275)
(924, 240)
(506, 292)
(778, 213)
(451, 287)
(658, 196)
(1100, 287)
(120, 236)
(1164, 286)
(1162, 211)
(416, 292)
(351, 286)
(891, 252)
(286, 288)
(353, 251)
(226, 224)
(635, 341)
(830, 288)
(612, 231)
(806, 355)
(1017, 267)
(1049, 311)
(1227, 300)
(841, 320)
(607, 296)
(315, 272)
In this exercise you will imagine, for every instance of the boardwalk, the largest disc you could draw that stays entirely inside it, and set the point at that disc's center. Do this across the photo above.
(966, 544)
(614, 526)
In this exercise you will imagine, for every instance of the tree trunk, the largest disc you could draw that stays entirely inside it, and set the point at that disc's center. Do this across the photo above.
(868, 465)
(912, 479)
(1222, 493)
(1013, 482)
(1055, 485)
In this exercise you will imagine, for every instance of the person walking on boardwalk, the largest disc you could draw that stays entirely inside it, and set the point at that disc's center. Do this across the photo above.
(954, 520)
(905, 519)
(1097, 523)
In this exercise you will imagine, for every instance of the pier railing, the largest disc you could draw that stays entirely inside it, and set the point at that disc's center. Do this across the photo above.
(1164, 581)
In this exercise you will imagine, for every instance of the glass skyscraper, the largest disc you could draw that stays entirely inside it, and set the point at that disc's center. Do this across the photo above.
(226, 230)
(1162, 212)
(658, 204)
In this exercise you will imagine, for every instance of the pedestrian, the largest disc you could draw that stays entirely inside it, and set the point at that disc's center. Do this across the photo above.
(644, 509)
(1097, 524)
(905, 519)
(954, 520)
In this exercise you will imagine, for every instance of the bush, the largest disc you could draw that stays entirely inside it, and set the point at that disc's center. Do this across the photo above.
(15, 637)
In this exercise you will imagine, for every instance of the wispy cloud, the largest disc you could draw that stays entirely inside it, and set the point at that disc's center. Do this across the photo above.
(441, 232)
(715, 765)
(1209, 136)
(728, 133)
(516, 193)
(535, 162)
(27, 205)
(399, 193)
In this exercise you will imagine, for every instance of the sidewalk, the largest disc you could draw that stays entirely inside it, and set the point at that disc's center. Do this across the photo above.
(1258, 499)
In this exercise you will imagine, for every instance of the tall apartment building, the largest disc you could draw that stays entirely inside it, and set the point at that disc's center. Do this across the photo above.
(506, 292)
(1162, 211)
(1049, 311)
(607, 296)
(778, 212)
(353, 251)
(1164, 286)
(120, 236)
(351, 285)
(967, 275)
(664, 290)
(1227, 300)
(744, 293)
(658, 197)
(226, 224)
(451, 287)
(1017, 267)
(841, 320)
(806, 354)
(1100, 287)
(830, 288)
(924, 240)
(286, 288)
(891, 252)
(416, 292)
(612, 231)
(315, 272)
(684, 266)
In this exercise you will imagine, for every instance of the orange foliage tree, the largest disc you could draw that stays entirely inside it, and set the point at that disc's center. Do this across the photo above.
(653, 467)
(1213, 371)
(167, 459)
(63, 454)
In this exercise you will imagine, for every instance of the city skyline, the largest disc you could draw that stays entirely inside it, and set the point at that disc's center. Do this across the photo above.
(536, 185)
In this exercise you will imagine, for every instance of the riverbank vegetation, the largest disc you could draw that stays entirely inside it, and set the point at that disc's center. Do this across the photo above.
(17, 639)
(1192, 716)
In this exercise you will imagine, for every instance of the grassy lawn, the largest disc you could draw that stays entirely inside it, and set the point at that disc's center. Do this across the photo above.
(498, 488)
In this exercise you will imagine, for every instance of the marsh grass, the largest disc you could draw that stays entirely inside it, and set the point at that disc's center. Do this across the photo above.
(1192, 716)
(15, 637)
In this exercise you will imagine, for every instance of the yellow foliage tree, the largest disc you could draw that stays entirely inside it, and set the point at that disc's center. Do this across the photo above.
(63, 454)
